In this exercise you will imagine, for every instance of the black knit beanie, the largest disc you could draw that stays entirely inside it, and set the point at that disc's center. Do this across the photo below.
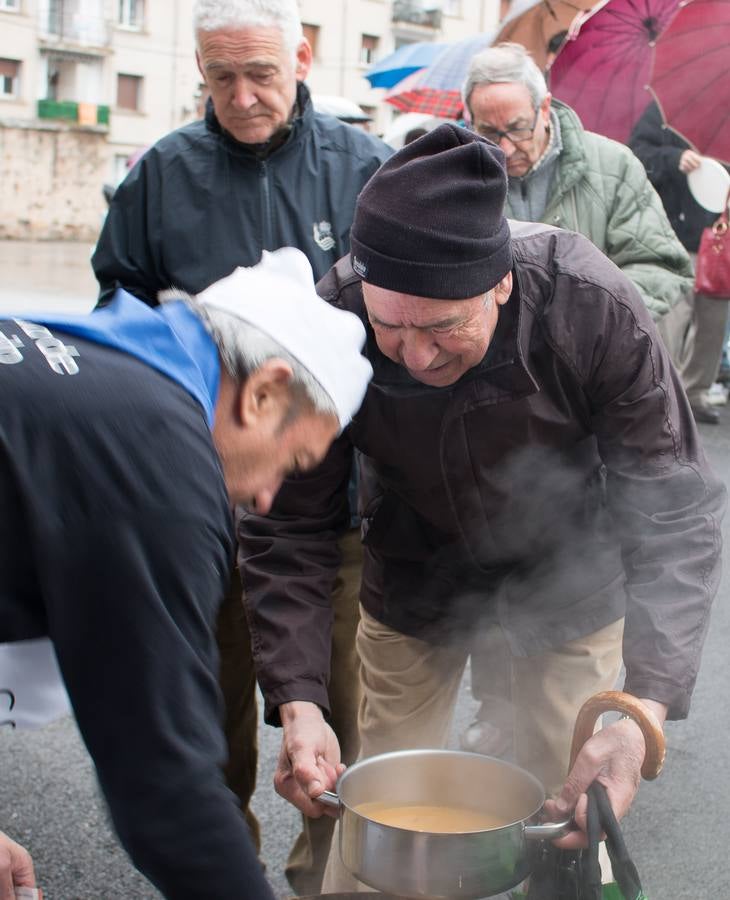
(429, 222)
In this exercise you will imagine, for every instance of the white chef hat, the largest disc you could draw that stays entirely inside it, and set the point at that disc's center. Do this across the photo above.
(277, 296)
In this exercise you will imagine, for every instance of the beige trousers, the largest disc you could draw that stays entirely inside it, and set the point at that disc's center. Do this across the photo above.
(409, 691)
(306, 863)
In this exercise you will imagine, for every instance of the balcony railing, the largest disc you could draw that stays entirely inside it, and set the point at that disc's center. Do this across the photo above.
(71, 111)
(412, 12)
(61, 24)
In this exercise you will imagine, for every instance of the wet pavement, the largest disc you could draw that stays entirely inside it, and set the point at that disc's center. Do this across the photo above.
(46, 275)
(678, 830)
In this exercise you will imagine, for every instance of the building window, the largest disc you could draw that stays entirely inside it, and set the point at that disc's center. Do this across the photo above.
(368, 49)
(201, 98)
(311, 33)
(131, 13)
(9, 5)
(452, 7)
(9, 71)
(129, 92)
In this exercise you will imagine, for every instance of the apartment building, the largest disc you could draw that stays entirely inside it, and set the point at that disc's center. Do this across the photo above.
(86, 83)
(350, 35)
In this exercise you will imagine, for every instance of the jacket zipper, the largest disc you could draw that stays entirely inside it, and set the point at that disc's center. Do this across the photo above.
(267, 240)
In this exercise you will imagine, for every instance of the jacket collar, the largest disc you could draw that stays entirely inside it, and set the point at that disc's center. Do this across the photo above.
(573, 160)
(169, 338)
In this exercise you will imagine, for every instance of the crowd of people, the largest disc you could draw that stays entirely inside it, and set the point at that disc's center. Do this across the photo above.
(476, 436)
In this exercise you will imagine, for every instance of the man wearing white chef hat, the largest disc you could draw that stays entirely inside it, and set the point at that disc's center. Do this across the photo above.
(126, 436)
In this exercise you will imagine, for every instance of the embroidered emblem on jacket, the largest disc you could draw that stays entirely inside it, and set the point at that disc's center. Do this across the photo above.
(323, 235)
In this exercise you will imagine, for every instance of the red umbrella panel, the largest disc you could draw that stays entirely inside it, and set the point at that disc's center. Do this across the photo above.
(691, 75)
(603, 69)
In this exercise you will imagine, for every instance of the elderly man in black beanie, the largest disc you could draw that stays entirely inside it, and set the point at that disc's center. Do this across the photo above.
(529, 463)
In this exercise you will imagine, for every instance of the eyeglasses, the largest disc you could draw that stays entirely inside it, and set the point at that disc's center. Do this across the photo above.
(514, 135)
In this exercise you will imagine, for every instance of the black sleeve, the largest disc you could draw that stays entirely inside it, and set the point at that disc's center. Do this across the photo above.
(289, 561)
(666, 502)
(132, 589)
(660, 158)
(128, 253)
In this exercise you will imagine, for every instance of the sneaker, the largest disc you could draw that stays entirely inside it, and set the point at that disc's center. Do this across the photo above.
(491, 731)
(717, 395)
(485, 738)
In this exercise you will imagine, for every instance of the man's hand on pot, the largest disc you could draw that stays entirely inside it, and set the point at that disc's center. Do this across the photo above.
(16, 867)
(309, 760)
(613, 757)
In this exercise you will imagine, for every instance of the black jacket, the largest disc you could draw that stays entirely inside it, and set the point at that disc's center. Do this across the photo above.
(660, 149)
(199, 203)
(555, 486)
(115, 542)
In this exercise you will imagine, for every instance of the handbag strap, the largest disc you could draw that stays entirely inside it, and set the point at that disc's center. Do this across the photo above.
(576, 874)
(602, 817)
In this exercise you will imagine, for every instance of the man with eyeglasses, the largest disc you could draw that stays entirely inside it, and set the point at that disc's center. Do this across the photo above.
(565, 176)
(562, 175)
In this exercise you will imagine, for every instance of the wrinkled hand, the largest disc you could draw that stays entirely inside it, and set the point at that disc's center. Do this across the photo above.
(16, 868)
(689, 161)
(613, 757)
(309, 760)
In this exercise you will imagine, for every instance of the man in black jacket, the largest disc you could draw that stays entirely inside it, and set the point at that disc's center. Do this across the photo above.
(695, 329)
(529, 463)
(262, 171)
(125, 437)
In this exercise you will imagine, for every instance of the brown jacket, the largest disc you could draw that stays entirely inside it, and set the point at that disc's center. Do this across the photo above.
(556, 486)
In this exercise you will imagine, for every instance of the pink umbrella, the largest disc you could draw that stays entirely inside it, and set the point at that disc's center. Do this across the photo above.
(691, 75)
(603, 68)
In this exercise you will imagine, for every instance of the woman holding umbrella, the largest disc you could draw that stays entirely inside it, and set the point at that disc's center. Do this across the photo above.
(694, 330)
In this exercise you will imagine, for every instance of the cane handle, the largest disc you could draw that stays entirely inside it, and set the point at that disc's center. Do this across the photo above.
(617, 701)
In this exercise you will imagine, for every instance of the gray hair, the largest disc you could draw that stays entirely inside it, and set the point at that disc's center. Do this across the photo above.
(504, 64)
(243, 349)
(211, 15)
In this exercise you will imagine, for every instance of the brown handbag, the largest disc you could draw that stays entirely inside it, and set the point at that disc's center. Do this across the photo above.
(712, 270)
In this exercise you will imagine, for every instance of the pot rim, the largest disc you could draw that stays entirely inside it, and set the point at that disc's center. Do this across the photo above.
(451, 754)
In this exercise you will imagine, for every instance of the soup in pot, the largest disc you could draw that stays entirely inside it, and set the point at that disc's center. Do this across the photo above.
(425, 817)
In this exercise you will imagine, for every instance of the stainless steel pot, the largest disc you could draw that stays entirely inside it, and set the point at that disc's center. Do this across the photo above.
(424, 864)
(475, 864)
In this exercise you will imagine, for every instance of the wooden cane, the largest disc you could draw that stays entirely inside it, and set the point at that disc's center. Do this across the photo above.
(617, 701)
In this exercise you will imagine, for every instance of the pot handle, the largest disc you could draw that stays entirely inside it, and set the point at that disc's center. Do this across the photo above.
(329, 798)
(548, 830)
(618, 701)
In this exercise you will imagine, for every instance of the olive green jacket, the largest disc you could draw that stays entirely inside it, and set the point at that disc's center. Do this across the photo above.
(601, 190)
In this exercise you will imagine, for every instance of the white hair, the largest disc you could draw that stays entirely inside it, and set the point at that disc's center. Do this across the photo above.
(505, 63)
(212, 15)
(243, 349)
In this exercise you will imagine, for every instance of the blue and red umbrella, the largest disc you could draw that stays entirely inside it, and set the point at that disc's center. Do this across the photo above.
(403, 62)
(437, 89)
